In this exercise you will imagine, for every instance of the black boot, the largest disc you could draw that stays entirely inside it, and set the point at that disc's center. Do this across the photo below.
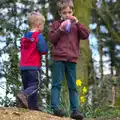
(59, 112)
(76, 115)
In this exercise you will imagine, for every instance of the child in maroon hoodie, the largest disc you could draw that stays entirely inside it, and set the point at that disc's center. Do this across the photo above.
(65, 38)
(33, 46)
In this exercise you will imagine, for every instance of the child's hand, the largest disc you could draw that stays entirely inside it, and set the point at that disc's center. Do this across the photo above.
(73, 18)
(62, 26)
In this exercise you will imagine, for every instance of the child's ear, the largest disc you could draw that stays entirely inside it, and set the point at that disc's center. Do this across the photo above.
(73, 11)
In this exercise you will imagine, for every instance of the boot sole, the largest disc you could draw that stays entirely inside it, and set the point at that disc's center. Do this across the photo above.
(77, 118)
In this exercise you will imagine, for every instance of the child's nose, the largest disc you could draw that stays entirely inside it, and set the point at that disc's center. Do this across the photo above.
(67, 15)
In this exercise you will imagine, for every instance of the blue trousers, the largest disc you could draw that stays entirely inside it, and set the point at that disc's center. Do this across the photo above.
(59, 69)
(30, 84)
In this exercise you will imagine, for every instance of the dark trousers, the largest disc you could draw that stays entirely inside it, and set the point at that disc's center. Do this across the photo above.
(31, 81)
(59, 69)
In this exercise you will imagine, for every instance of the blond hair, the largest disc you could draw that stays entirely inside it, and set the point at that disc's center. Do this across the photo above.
(64, 3)
(35, 18)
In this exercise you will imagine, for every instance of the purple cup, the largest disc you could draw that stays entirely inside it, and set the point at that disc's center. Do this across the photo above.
(68, 25)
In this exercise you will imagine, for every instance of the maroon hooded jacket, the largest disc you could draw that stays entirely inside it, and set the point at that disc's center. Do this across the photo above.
(66, 45)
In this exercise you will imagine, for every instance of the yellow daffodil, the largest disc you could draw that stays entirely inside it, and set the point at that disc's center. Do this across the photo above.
(82, 99)
(78, 82)
(84, 90)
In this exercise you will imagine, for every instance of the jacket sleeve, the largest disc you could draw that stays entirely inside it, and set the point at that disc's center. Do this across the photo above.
(83, 32)
(42, 45)
(54, 33)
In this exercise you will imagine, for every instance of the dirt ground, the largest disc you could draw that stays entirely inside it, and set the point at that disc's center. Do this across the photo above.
(23, 114)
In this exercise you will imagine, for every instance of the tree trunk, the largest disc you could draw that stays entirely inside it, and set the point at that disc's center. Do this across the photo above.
(100, 49)
(83, 13)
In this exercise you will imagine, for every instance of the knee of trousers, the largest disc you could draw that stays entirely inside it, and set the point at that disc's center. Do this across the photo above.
(74, 89)
(58, 86)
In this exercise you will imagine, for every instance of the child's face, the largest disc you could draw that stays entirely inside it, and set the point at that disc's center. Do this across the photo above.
(66, 13)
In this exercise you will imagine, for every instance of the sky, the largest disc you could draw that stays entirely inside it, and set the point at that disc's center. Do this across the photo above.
(95, 54)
